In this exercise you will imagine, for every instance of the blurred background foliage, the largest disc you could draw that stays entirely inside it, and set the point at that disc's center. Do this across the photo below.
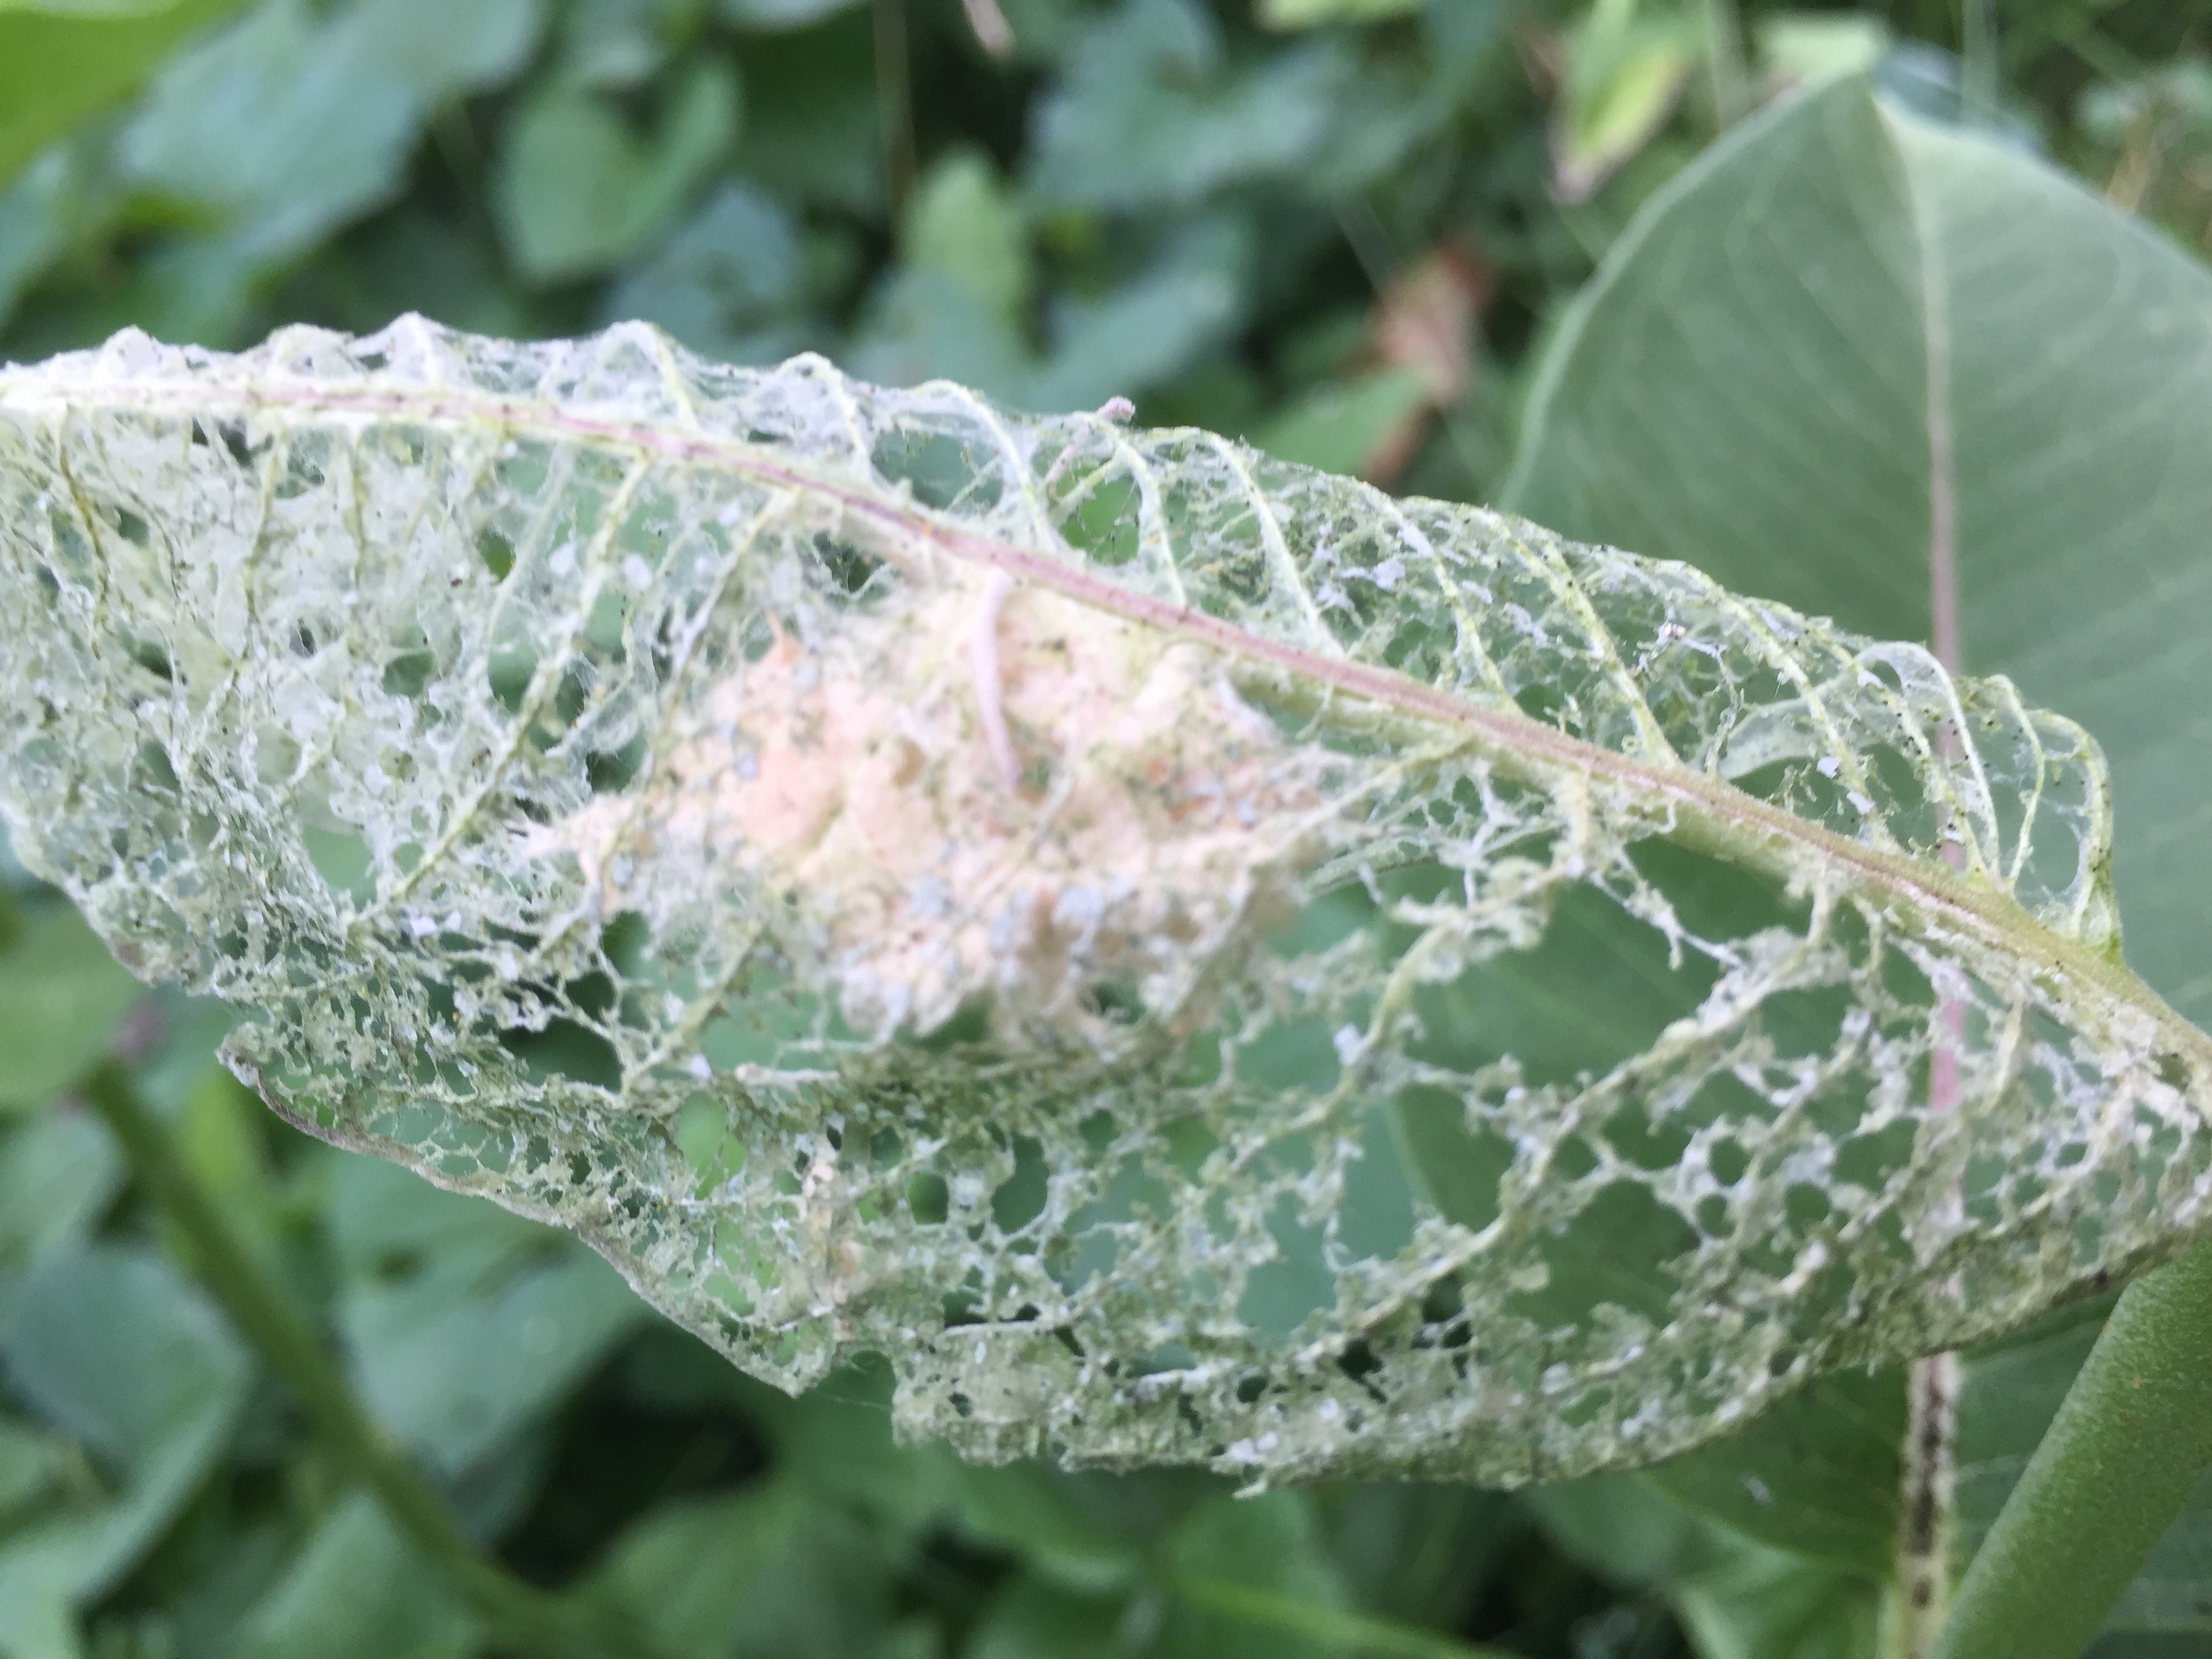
(1343, 229)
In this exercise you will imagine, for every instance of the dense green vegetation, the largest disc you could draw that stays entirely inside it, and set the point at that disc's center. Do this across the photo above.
(1351, 231)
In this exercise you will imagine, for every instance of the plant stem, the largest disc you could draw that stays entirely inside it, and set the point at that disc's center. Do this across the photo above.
(894, 104)
(2132, 1437)
(536, 1621)
(1922, 1587)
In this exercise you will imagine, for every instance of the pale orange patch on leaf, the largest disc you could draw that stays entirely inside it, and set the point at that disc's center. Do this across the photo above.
(849, 768)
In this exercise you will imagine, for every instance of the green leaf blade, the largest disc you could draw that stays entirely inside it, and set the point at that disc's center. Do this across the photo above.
(60, 65)
(124, 1357)
(1845, 325)
(1777, 272)
(62, 998)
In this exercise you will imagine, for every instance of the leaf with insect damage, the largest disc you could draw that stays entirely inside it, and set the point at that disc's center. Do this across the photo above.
(1193, 959)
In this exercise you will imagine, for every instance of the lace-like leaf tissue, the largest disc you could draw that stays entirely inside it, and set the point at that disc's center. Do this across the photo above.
(1193, 958)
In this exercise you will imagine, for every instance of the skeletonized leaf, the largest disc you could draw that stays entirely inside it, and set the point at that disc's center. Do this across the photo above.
(1077, 910)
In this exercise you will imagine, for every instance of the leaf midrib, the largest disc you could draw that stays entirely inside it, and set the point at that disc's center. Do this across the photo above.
(1705, 812)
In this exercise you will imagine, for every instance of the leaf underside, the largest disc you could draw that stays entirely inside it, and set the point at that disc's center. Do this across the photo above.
(1083, 912)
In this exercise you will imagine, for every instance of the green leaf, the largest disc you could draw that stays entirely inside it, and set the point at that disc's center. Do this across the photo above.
(929, 325)
(1063, 1524)
(288, 124)
(1034, 1619)
(813, 128)
(1920, 321)
(1191, 960)
(43, 212)
(1737, 1598)
(436, 51)
(59, 1169)
(1421, 1552)
(1760, 1603)
(727, 282)
(1309, 1627)
(2009, 1393)
(1799, 48)
(1625, 1530)
(1923, 319)
(761, 1571)
(29, 1471)
(618, 45)
(964, 222)
(1272, 1543)
(578, 191)
(1305, 13)
(1149, 113)
(464, 1323)
(62, 996)
(2116, 1465)
(261, 139)
(358, 1589)
(60, 64)
(113, 1349)
(1623, 74)
(174, 1066)
(838, 1440)
(219, 1135)
(1817, 1475)
(1396, 103)
(1195, 294)
(779, 14)
(1337, 427)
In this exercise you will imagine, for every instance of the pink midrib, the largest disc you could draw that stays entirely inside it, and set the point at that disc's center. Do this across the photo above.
(1992, 917)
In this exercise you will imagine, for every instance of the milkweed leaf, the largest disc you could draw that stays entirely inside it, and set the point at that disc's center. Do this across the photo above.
(1083, 912)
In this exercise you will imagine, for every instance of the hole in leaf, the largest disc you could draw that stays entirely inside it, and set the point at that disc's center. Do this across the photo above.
(148, 654)
(1540, 1004)
(1616, 1252)
(1020, 1198)
(1457, 1171)
(703, 1135)
(343, 861)
(1117, 1001)
(565, 1048)
(1358, 1362)
(848, 569)
(623, 940)
(405, 675)
(510, 670)
(496, 552)
(927, 1199)
(609, 772)
(942, 470)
